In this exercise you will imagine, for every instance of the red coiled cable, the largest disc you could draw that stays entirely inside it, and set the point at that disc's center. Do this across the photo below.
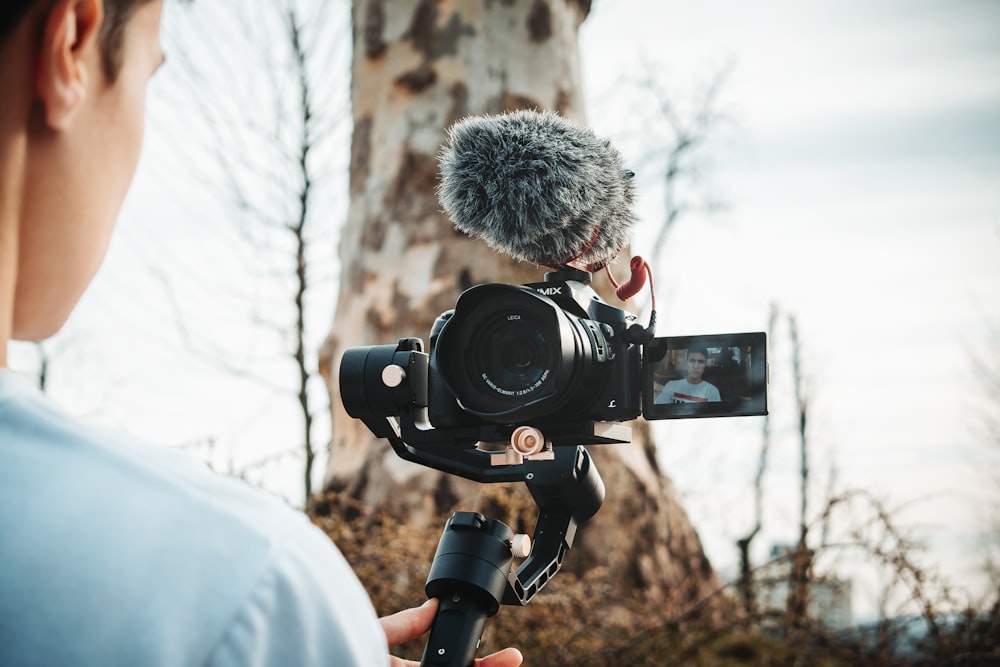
(640, 270)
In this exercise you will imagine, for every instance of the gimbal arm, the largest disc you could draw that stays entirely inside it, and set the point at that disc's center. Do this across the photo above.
(472, 569)
(567, 492)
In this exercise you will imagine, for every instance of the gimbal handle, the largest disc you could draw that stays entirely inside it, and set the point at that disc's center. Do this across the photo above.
(472, 569)
(469, 576)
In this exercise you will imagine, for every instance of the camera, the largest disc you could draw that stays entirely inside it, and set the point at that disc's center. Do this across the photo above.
(539, 353)
(555, 356)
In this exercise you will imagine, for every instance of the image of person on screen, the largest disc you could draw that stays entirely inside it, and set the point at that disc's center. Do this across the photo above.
(692, 388)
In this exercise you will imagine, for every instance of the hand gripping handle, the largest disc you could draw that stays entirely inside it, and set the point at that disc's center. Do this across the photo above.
(469, 575)
(457, 629)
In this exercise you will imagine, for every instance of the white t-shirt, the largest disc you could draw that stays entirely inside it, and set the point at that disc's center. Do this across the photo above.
(114, 552)
(682, 391)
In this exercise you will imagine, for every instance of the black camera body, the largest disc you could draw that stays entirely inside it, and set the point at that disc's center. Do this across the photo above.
(543, 353)
(553, 356)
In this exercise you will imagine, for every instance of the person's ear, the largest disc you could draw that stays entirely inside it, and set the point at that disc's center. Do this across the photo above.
(70, 31)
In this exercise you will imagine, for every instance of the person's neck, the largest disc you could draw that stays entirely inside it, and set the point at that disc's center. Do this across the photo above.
(12, 148)
(8, 281)
(8, 269)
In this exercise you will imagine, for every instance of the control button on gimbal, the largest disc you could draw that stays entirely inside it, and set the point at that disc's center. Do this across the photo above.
(393, 376)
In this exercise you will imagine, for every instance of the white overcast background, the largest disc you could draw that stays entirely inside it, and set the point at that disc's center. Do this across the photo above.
(860, 169)
(861, 173)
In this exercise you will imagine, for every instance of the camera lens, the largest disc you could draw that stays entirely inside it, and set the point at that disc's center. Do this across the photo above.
(513, 355)
(509, 355)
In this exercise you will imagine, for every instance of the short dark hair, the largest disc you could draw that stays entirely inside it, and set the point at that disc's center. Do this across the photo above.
(112, 32)
(697, 349)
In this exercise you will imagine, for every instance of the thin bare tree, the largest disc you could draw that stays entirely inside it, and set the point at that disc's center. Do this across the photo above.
(677, 135)
(262, 102)
(748, 592)
(798, 598)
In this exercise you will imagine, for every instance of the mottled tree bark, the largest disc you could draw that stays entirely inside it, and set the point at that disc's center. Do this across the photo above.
(418, 67)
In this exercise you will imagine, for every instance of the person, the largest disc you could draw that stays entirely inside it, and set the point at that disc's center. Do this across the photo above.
(692, 388)
(114, 552)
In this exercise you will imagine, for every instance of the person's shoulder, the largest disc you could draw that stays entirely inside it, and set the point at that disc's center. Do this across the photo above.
(306, 608)
(193, 563)
(81, 456)
(87, 469)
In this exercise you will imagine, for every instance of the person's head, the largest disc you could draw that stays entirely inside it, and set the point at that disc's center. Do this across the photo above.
(74, 75)
(111, 35)
(697, 358)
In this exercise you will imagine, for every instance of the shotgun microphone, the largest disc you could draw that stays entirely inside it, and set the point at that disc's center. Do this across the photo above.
(537, 187)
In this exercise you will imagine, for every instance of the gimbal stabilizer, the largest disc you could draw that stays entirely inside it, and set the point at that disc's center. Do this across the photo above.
(472, 573)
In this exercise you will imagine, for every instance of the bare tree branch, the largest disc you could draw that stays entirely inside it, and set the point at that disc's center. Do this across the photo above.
(251, 90)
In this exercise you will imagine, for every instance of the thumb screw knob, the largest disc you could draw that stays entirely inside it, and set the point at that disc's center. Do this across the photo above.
(527, 440)
(520, 545)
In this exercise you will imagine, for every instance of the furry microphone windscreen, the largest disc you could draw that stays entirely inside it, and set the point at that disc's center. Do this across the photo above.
(537, 187)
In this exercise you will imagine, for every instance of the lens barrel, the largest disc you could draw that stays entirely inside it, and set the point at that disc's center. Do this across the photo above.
(509, 354)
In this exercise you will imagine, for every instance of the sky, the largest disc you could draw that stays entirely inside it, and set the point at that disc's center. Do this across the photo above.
(859, 163)
(857, 154)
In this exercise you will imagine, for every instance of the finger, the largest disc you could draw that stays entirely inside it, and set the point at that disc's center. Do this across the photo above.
(509, 657)
(409, 623)
(399, 662)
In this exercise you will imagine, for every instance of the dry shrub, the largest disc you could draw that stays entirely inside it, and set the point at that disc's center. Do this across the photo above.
(579, 618)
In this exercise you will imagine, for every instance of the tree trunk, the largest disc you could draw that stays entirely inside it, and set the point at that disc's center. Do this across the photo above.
(418, 67)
